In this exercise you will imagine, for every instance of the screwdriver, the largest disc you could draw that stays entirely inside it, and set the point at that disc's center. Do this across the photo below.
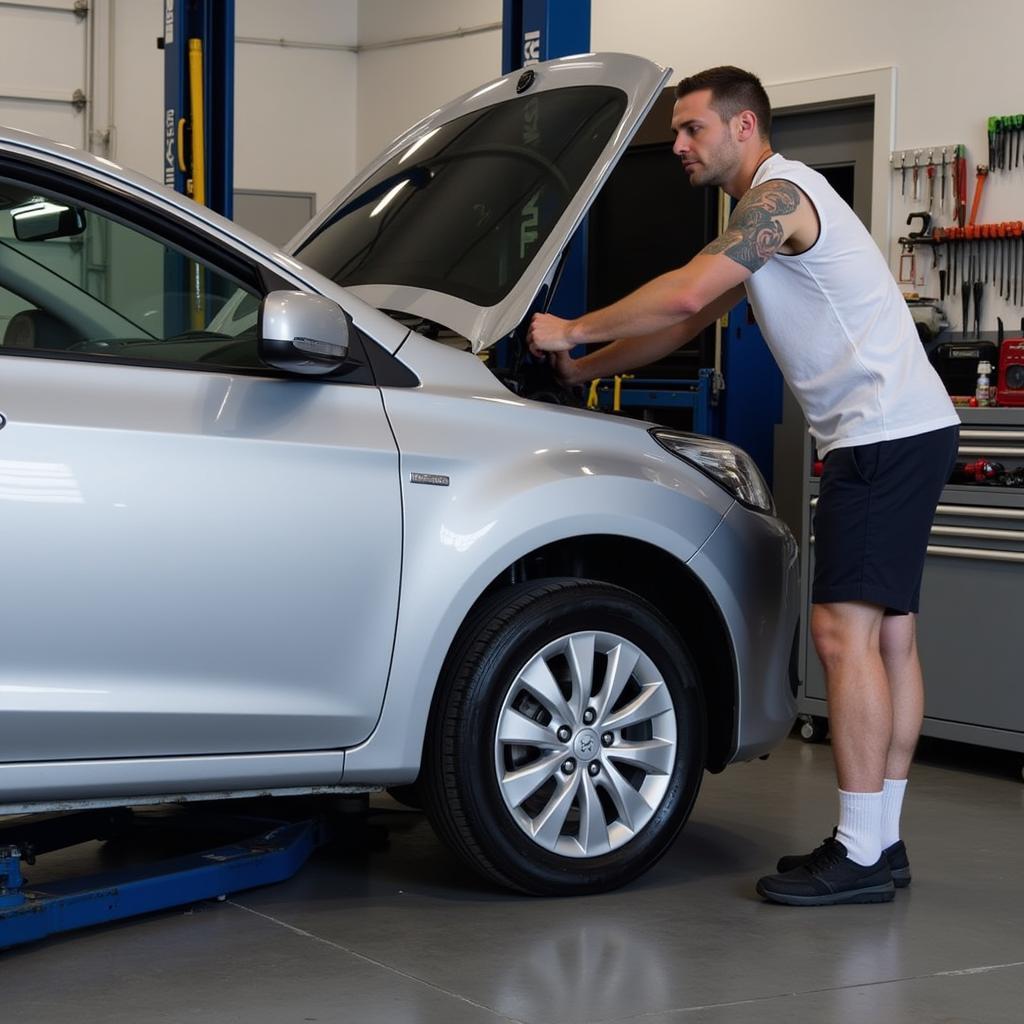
(1001, 235)
(965, 298)
(961, 186)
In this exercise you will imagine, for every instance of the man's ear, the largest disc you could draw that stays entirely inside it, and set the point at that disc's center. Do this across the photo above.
(746, 123)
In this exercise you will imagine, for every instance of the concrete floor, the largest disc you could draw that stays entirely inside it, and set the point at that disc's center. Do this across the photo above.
(405, 934)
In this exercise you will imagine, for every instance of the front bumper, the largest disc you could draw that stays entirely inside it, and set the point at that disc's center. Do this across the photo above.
(750, 565)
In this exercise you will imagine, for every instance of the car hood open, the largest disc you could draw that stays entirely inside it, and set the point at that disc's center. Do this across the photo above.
(462, 220)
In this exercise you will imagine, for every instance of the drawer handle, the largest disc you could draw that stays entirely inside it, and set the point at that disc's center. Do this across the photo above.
(970, 511)
(978, 554)
(972, 434)
(978, 533)
(981, 512)
(969, 449)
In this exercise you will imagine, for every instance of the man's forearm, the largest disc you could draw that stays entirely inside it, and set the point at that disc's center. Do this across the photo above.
(627, 354)
(653, 308)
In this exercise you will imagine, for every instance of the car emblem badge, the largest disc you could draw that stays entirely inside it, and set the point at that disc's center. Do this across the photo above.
(526, 79)
(434, 479)
(586, 745)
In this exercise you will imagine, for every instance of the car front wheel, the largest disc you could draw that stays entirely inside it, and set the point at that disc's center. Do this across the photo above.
(567, 746)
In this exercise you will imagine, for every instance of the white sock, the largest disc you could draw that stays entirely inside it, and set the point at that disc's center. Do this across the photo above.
(892, 804)
(860, 826)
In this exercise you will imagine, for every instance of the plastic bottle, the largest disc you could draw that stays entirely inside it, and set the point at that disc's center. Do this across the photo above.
(983, 391)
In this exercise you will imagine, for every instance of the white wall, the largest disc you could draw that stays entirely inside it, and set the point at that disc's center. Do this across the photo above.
(307, 119)
(295, 108)
(137, 98)
(42, 55)
(955, 66)
(399, 85)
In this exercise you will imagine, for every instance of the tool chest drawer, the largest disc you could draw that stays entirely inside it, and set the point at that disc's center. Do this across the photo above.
(972, 596)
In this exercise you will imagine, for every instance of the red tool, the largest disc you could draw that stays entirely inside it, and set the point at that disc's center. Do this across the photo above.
(979, 186)
(1010, 386)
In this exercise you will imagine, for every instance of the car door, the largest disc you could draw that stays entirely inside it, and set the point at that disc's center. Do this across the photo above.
(199, 555)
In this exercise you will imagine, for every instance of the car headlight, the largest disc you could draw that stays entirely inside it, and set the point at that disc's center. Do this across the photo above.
(727, 465)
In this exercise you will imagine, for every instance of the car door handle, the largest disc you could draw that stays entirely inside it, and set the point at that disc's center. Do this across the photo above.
(3, 421)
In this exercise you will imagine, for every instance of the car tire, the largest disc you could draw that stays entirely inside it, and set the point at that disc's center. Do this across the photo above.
(498, 725)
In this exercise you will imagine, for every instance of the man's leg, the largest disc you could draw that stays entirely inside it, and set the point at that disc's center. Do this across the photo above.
(849, 868)
(847, 637)
(906, 686)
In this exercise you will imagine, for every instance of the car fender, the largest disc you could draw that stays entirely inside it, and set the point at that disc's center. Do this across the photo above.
(472, 518)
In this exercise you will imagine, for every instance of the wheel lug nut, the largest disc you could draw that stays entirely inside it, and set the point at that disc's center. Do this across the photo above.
(564, 734)
(595, 768)
(568, 766)
(607, 739)
(589, 716)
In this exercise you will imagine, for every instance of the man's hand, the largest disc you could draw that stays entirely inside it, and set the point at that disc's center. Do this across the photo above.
(564, 367)
(549, 333)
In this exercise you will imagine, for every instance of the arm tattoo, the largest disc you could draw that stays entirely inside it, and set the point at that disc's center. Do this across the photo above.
(754, 233)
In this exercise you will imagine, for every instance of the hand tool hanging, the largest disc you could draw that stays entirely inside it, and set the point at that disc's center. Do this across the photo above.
(979, 187)
(961, 192)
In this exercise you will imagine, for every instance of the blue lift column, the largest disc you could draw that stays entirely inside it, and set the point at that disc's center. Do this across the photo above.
(532, 31)
(199, 112)
(752, 400)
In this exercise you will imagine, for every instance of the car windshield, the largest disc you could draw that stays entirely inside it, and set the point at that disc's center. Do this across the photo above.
(465, 208)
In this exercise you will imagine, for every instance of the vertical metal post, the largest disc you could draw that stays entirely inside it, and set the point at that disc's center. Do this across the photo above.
(753, 396)
(199, 90)
(536, 30)
(206, 26)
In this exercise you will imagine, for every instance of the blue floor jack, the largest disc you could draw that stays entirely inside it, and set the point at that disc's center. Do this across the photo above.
(252, 851)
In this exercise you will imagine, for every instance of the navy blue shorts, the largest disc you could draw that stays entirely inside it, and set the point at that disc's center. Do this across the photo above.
(875, 510)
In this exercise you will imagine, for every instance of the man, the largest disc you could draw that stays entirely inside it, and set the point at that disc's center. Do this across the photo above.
(843, 337)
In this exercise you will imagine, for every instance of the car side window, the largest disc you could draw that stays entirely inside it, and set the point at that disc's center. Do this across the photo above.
(75, 280)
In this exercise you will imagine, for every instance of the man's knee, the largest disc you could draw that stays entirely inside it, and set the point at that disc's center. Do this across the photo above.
(842, 632)
(898, 637)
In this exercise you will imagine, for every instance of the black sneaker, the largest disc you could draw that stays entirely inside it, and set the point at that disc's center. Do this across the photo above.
(828, 876)
(896, 855)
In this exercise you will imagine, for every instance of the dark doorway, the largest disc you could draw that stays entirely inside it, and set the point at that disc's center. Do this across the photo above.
(647, 220)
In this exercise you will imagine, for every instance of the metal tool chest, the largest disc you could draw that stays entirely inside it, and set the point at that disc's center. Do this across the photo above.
(971, 627)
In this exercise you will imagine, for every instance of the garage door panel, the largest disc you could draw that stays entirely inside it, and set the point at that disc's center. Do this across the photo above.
(42, 63)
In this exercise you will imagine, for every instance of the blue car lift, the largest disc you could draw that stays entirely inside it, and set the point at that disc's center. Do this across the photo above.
(252, 850)
(198, 129)
(617, 394)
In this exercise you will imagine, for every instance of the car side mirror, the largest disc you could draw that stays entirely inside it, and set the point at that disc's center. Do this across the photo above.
(303, 333)
(40, 219)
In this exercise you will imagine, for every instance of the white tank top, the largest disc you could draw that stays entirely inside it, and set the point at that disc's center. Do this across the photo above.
(841, 331)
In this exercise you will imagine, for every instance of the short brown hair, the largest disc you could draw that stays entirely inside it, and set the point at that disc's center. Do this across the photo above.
(732, 90)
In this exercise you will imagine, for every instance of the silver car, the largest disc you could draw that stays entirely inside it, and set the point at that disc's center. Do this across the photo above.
(269, 523)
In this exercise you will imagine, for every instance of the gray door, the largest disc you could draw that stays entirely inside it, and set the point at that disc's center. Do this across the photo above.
(275, 216)
(198, 557)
